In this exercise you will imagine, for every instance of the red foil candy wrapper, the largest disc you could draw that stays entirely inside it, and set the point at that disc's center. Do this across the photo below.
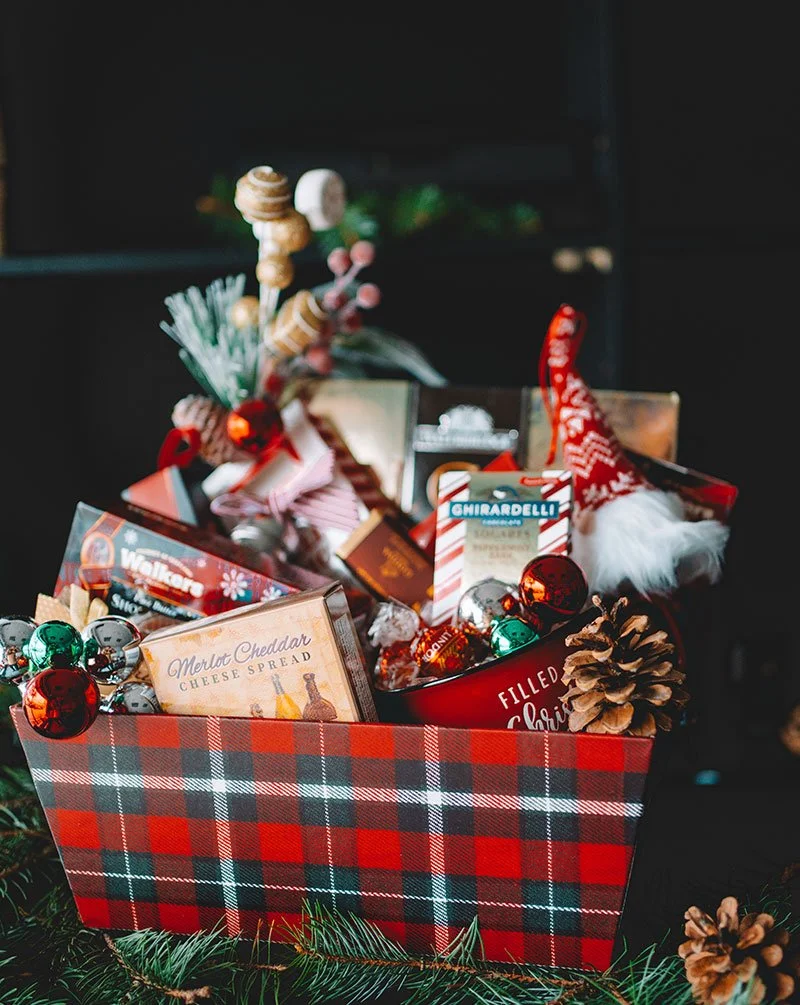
(553, 586)
(446, 649)
(396, 667)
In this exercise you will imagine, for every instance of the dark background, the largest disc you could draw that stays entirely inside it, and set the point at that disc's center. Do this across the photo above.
(666, 132)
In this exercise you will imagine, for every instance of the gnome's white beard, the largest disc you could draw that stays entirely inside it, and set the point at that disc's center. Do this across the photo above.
(644, 539)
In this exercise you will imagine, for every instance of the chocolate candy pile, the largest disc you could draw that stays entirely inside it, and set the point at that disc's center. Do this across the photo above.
(493, 619)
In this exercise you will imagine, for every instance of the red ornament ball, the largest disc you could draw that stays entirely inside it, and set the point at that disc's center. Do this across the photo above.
(255, 426)
(553, 586)
(61, 703)
(445, 649)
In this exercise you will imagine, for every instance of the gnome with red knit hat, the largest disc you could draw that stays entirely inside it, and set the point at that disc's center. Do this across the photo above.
(627, 533)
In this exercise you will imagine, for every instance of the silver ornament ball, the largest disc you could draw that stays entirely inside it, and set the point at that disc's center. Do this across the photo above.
(482, 603)
(118, 640)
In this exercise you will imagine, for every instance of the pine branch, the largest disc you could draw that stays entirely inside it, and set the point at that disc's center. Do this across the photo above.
(28, 800)
(23, 863)
(224, 360)
(191, 997)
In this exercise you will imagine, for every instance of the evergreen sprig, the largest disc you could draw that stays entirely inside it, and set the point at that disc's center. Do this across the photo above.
(226, 361)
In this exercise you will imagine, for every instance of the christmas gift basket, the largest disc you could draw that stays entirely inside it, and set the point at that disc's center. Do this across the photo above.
(395, 647)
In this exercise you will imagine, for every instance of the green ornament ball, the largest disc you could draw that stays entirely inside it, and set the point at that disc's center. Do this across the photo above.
(55, 644)
(510, 633)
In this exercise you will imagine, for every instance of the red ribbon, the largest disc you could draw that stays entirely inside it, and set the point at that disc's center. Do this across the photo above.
(559, 352)
(180, 447)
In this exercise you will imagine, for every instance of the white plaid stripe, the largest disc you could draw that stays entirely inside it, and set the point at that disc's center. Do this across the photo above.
(311, 790)
(223, 827)
(328, 834)
(117, 786)
(383, 894)
(433, 798)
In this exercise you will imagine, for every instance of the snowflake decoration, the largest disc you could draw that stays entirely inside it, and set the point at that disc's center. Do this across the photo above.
(234, 585)
(201, 563)
(271, 592)
(131, 538)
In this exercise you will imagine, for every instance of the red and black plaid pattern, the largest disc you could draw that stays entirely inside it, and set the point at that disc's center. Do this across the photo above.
(176, 822)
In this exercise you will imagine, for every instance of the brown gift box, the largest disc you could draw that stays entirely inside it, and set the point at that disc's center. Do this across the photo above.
(386, 560)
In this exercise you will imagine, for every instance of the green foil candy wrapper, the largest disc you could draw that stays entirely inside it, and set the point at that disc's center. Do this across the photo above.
(511, 633)
(55, 644)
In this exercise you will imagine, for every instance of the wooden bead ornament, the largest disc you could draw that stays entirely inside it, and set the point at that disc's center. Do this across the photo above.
(290, 233)
(262, 194)
(263, 197)
(300, 322)
(244, 313)
(275, 270)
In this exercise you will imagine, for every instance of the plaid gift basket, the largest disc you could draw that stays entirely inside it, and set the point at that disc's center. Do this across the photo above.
(417, 824)
(183, 822)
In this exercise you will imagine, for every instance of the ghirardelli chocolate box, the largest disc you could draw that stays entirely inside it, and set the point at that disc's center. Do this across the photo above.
(490, 524)
(458, 428)
(294, 658)
(139, 562)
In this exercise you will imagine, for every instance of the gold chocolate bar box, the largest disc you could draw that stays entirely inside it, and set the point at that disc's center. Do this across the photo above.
(294, 658)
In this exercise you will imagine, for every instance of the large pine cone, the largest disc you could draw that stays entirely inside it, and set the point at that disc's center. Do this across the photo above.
(727, 956)
(624, 677)
(210, 419)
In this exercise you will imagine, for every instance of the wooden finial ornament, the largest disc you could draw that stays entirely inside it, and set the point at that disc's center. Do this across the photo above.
(244, 313)
(275, 270)
(262, 194)
(299, 323)
(264, 198)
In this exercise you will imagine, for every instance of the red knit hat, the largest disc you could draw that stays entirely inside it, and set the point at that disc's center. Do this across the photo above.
(627, 533)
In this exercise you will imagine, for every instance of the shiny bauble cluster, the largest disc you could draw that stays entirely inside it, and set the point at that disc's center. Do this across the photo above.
(58, 669)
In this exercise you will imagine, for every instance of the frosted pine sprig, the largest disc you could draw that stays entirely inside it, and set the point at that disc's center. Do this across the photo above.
(226, 361)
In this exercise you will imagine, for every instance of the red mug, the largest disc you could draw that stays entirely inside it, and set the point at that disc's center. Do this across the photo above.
(519, 691)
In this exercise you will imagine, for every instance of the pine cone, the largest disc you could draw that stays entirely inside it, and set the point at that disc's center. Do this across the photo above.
(624, 676)
(210, 419)
(725, 956)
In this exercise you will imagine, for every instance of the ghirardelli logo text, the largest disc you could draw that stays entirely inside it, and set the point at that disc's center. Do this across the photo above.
(155, 570)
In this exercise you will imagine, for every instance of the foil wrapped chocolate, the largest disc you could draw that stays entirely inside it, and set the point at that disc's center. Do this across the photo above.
(393, 622)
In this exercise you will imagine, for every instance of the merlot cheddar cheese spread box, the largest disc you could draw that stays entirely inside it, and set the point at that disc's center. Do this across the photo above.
(294, 658)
